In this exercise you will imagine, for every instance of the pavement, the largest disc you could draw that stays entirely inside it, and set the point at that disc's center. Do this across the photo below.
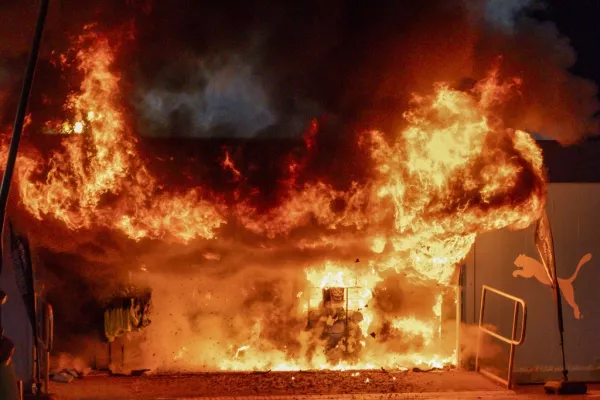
(508, 395)
(343, 385)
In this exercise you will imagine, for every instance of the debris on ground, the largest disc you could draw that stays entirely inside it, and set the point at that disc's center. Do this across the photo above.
(298, 383)
(261, 372)
(139, 372)
(66, 375)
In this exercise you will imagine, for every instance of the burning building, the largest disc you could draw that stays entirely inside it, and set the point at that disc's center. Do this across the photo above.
(337, 249)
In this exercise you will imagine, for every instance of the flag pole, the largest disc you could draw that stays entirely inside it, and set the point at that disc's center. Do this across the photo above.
(561, 328)
(22, 109)
(545, 246)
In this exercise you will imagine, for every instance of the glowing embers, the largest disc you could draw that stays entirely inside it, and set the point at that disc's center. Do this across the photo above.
(71, 127)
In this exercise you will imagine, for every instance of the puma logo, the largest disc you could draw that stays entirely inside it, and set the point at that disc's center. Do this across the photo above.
(533, 268)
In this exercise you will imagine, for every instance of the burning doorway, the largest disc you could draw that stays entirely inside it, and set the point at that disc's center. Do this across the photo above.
(330, 316)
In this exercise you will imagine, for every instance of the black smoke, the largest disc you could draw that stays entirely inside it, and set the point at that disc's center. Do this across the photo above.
(263, 69)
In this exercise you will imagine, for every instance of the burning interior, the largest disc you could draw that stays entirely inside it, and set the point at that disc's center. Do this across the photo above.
(337, 251)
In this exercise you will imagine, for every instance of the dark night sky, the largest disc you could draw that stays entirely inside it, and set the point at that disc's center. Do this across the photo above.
(580, 22)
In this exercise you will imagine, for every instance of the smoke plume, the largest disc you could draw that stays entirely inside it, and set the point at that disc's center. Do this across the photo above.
(554, 102)
(269, 66)
(202, 69)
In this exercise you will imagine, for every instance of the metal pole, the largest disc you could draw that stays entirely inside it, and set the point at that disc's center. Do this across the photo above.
(561, 328)
(22, 109)
(479, 336)
(347, 296)
(459, 300)
(513, 337)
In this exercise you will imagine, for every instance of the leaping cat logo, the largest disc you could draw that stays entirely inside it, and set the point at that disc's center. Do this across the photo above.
(533, 268)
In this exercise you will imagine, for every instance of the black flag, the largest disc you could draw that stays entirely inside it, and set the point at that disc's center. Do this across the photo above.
(21, 258)
(545, 247)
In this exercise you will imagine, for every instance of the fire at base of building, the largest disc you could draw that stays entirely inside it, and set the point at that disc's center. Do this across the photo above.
(334, 317)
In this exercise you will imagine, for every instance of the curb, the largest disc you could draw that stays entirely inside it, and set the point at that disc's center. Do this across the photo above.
(497, 395)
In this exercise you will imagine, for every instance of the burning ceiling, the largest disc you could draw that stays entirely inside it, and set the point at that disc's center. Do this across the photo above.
(248, 259)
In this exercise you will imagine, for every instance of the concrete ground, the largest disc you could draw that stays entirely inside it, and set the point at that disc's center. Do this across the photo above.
(347, 385)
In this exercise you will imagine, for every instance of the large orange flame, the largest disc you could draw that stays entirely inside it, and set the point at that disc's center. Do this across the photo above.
(453, 172)
(103, 161)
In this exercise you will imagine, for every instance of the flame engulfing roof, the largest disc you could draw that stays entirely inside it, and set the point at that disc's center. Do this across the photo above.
(450, 171)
